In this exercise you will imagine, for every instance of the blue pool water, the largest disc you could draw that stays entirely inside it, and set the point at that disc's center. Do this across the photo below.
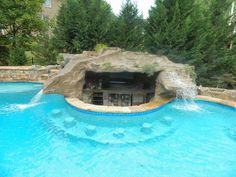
(43, 136)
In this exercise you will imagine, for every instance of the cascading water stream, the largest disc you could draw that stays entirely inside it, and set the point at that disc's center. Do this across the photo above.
(37, 97)
(185, 92)
(33, 102)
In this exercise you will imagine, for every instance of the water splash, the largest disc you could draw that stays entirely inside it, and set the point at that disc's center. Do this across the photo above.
(16, 107)
(20, 107)
(188, 105)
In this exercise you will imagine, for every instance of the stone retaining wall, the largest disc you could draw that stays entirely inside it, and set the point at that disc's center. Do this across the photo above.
(218, 93)
(24, 73)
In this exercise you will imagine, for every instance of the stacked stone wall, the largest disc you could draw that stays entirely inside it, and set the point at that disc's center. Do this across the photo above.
(218, 93)
(25, 73)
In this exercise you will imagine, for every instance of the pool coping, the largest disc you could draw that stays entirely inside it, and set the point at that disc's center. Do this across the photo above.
(77, 103)
(217, 100)
(24, 81)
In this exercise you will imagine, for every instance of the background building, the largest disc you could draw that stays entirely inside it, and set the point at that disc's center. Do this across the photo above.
(51, 8)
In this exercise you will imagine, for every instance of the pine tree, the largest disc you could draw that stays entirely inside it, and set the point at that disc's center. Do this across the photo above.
(128, 29)
(217, 56)
(82, 24)
(169, 26)
(198, 33)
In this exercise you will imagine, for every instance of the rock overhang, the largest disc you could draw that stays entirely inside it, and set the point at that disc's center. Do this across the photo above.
(71, 78)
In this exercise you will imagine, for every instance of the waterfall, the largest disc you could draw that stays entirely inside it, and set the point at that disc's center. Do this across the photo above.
(37, 97)
(187, 92)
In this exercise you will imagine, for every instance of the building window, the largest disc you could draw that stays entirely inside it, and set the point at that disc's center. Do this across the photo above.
(47, 3)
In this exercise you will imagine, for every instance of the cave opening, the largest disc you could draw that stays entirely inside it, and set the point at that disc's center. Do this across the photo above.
(118, 88)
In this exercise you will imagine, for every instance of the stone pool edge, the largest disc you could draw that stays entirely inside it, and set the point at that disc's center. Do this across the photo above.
(141, 108)
(75, 102)
(217, 100)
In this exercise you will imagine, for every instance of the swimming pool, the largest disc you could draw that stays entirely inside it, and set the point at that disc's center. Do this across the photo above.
(43, 136)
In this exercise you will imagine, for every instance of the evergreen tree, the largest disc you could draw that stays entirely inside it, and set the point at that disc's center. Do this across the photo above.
(216, 62)
(128, 29)
(170, 26)
(82, 24)
(195, 32)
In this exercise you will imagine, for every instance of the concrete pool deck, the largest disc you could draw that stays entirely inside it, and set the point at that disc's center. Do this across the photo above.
(141, 108)
(117, 109)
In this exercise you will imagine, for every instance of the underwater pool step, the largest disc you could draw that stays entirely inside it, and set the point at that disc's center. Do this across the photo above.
(69, 122)
(90, 130)
(146, 128)
(56, 113)
(119, 133)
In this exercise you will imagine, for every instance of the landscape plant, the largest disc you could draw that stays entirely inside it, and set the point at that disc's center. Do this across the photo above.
(19, 23)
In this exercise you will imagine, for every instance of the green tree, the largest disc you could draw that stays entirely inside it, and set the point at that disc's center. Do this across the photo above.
(19, 23)
(17, 56)
(128, 28)
(44, 52)
(170, 26)
(82, 24)
(198, 33)
(217, 60)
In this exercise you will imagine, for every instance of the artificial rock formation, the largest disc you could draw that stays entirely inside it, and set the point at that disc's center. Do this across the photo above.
(70, 80)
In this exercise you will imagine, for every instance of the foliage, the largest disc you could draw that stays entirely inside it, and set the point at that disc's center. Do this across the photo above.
(19, 22)
(197, 33)
(60, 58)
(4, 53)
(17, 56)
(99, 47)
(128, 28)
(227, 81)
(44, 51)
(82, 24)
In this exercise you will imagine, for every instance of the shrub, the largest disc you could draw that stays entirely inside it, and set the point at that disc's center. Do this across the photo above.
(17, 57)
(44, 51)
(4, 54)
(99, 47)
